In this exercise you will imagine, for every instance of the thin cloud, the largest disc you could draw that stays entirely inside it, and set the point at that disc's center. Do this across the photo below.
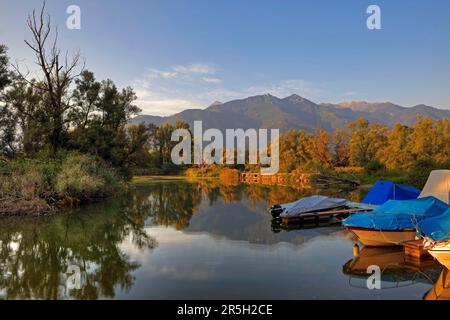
(212, 80)
(199, 68)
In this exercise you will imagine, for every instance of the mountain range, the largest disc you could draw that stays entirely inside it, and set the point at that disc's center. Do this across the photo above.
(294, 112)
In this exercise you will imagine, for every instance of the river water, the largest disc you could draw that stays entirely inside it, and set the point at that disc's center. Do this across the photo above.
(178, 239)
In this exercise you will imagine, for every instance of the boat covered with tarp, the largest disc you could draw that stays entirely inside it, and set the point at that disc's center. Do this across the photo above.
(436, 228)
(436, 232)
(438, 185)
(395, 221)
(314, 203)
(384, 190)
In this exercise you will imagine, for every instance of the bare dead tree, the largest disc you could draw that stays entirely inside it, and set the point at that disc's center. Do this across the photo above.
(57, 73)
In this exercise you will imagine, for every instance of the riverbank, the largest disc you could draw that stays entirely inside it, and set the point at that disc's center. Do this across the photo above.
(41, 185)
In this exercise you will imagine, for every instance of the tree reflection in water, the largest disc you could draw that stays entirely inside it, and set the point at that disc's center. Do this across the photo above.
(35, 253)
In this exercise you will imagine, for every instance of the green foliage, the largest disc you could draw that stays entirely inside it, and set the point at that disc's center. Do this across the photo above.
(374, 166)
(85, 177)
(418, 173)
(71, 177)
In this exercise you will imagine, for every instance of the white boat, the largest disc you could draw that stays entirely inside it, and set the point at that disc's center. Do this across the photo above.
(439, 250)
(438, 186)
(381, 238)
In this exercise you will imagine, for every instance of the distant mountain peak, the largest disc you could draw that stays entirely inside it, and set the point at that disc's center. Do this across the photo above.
(215, 103)
(294, 96)
(352, 104)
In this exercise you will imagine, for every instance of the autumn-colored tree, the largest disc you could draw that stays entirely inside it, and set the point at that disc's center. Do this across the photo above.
(319, 146)
(341, 148)
(359, 142)
(395, 153)
(422, 142)
(442, 129)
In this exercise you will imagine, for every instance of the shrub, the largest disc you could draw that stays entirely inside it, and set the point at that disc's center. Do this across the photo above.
(85, 177)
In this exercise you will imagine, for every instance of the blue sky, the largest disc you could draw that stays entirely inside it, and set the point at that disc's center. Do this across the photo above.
(187, 54)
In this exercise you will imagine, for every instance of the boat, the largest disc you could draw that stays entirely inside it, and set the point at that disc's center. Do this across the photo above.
(437, 185)
(379, 238)
(384, 190)
(435, 231)
(394, 222)
(436, 237)
(310, 204)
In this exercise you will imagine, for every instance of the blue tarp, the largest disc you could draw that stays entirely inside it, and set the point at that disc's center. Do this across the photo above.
(383, 191)
(398, 214)
(436, 228)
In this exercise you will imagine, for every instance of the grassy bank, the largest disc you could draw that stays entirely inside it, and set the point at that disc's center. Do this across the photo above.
(39, 185)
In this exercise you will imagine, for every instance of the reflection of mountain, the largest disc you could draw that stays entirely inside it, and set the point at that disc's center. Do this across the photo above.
(235, 212)
(35, 254)
(394, 265)
(441, 289)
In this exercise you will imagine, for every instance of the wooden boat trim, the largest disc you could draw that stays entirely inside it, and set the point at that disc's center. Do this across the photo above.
(378, 230)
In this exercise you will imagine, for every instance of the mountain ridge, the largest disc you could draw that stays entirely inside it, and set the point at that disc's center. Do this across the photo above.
(294, 112)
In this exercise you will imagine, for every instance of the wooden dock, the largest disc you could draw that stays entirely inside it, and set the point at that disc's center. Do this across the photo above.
(415, 249)
(297, 180)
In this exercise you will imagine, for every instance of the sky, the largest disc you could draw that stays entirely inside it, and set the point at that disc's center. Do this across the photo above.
(187, 54)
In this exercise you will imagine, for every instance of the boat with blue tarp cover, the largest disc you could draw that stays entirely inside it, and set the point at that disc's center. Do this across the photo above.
(384, 190)
(394, 222)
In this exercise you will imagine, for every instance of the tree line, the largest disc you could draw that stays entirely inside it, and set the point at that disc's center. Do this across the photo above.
(369, 145)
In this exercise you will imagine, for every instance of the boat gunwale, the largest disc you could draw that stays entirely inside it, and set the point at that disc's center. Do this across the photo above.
(351, 228)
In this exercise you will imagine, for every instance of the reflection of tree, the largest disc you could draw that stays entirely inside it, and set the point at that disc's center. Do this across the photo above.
(35, 253)
(172, 203)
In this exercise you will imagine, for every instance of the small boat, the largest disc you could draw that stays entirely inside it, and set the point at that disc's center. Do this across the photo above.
(438, 186)
(310, 204)
(383, 191)
(436, 237)
(439, 251)
(380, 238)
(394, 222)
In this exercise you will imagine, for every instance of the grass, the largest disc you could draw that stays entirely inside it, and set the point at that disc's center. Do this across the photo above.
(42, 184)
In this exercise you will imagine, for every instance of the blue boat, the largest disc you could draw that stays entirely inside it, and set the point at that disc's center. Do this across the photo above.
(395, 221)
(384, 190)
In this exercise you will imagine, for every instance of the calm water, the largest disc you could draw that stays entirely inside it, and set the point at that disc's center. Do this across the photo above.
(196, 240)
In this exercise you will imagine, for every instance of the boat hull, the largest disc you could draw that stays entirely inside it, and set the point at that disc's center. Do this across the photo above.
(382, 238)
(441, 254)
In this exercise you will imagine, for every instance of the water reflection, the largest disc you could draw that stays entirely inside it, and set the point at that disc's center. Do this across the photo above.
(396, 268)
(176, 240)
(36, 253)
(236, 212)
